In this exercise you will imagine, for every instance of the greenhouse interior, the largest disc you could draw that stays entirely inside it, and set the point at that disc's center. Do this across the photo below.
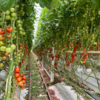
(49, 50)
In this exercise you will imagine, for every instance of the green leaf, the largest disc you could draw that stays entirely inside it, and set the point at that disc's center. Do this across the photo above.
(55, 4)
(44, 3)
(50, 4)
(6, 4)
(96, 2)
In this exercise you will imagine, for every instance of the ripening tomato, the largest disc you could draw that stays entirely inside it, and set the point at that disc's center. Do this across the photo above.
(24, 77)
(17, 70)
(1, 38)
(9, 29)
(4, 58)
(20, 45)
(21, 84)
(21, 74)
(22, 88)
(6, 54)
(2, 31)
(17, 75)
(24, 81)
(18, 51)
(1, 65)
(19, 79)
(16, 81)
(9, 35)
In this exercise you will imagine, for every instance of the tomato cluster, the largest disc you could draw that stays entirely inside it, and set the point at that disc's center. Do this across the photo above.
(10, 14)
(57, 56)
(5, 35)
(72, 58)
(55, 64)
(20, 79)
(66, 55)
(67, 63)
(51, 56)
(84, 57)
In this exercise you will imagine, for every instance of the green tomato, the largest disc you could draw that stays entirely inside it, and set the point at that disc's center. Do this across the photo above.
(3, 48)
(17, 6)
(12, 19)
(19, 25)
(99, 12)
(15, 53)
(0, 19)
(18, 22)
(13, 46)
(14, 37)
(8, 50)
(19, 55)
(1, 23)
(7, 12)
(24, 33)
(22, 5)
(13, 14)
(19, 58)
(1, 43)
(95, 43)
(22, 54)
(0, 58)
(7, 17)
(1, 65)
(12, 9)
(20, 28)
(9, 41)
(20, 32)
(20, 50)
(21, 10)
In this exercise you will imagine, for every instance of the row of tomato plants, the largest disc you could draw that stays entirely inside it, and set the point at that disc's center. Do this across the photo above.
(71, 28)
(15, 44)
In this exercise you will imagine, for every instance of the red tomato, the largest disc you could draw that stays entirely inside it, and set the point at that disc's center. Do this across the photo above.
(23, 77)
(17, 70)
(19, 79)
(9, 29)
(2, 31)
(6, 54)
(21, 74)
(17, 75)
(19, 64)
